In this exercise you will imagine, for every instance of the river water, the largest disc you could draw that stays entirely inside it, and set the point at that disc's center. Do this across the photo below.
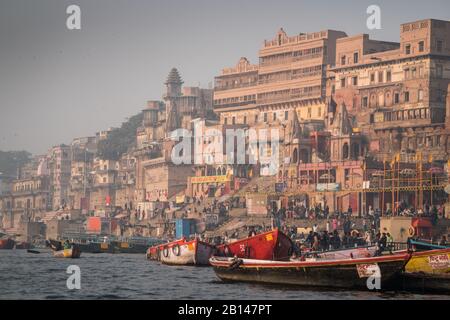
(129, 276)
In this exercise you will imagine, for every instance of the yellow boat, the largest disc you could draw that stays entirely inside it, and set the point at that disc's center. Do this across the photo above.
(431, 262)
(68, 253)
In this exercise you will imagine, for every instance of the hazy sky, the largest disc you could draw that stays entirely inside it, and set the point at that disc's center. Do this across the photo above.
(57, 84)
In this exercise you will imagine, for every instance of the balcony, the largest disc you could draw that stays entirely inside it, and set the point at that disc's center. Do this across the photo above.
(289, 97)
(307, 57)
(234, 104)
(235, 86)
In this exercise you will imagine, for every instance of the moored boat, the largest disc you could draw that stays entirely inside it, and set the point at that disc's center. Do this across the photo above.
(427, 271)
(23, 245)
(182, 252)
(72, 253)
(425, 282)
(272, 245)
(430, 261)
(110, 244)
(340, 273)
(350, 253)
(7, 243)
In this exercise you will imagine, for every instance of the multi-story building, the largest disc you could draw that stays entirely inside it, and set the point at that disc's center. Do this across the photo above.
(26, 200)
(81, 178)
(220, 165)
(290, 76)
(157, 177)
(126, 181)
(60, 169)
(396, 92)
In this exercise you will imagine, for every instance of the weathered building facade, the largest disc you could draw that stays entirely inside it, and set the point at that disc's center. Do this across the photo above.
(396, 92)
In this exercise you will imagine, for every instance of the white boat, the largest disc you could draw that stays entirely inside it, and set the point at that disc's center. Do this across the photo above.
(193, 252)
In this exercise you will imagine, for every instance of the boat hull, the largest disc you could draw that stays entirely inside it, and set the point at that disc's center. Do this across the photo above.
(23, 245)
(347, 273)
(183, 252)
(7, 244)
(72, 253)
(432, 261)
(272, 245)
(423, 282)
(352, 253)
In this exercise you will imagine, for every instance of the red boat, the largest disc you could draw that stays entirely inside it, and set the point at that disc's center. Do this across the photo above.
(182, 252)
(7, 243)
(272, 245)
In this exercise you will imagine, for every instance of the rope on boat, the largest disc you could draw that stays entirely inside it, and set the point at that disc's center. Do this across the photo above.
(235, 264)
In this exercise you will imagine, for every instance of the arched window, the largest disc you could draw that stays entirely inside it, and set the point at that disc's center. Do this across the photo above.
(345, 150)
(295, 156)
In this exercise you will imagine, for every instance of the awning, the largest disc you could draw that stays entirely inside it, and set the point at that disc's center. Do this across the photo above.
(421, 223)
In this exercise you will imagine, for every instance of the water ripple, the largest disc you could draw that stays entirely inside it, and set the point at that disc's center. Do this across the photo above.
(106, 276)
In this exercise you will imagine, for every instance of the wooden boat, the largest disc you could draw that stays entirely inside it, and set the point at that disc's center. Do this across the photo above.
(272, 245)
(431, 262)
(350, 253)
(425, 282)
(7, 243)
(110, 244)
(23, 245)
(182, 252)
(342, 273)
(73, 253)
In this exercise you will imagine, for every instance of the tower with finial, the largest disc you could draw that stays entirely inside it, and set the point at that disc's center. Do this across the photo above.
(173, 84)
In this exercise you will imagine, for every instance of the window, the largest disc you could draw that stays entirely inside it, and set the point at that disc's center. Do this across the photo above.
(265, 116)
(245, 119)
(365, 102)
(343, 58)
(343, 83)
(286, 115)
(225, 120)
(413, 72)
(406, 73)
(233, 120)
(355, 81)
(380, 76)
(388, 76)
(408, 49)
(420, 71)
(406, 96)
(420, 94)
(372, 77)
(421, 46)
(256, 118)
(396, 98)
(439, 71)
(439, 45)
(274, 116)
(355, 57)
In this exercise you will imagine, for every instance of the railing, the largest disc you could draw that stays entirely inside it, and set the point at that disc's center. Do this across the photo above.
(230, 87)
(306, 57)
